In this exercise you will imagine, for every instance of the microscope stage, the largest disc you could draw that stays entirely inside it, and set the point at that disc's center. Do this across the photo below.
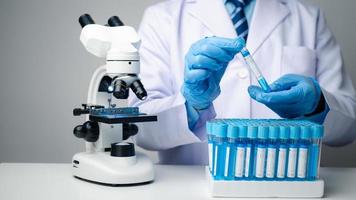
(115, 115)
(122, 118)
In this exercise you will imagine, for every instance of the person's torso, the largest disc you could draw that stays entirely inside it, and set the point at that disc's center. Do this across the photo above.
(281, 39)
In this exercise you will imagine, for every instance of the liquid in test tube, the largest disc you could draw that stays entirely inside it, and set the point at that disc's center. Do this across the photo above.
(260, 152)
(255, 70)
(293, 151)
(303, 152)
(282, 152)
(240, 152)
(220, 130)
(271, 151)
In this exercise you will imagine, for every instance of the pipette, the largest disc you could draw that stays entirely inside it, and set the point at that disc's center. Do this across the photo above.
(255, 70)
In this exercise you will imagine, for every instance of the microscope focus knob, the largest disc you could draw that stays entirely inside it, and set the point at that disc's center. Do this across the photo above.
(89, 131)
(122, 149)
(128, 130)
(79, 132)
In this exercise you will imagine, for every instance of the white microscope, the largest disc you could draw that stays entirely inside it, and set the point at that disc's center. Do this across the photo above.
(108, 159)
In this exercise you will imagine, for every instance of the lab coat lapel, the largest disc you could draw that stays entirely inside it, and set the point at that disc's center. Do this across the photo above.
(267, 15)
(213, 15)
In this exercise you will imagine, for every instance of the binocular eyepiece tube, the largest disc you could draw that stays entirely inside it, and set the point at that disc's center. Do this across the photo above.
(86, 19)
(115, 21)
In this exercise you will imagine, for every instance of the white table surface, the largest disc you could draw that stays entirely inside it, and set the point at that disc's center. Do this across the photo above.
(54, 181)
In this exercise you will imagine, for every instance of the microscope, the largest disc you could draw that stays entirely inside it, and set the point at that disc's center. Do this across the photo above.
(108, 158)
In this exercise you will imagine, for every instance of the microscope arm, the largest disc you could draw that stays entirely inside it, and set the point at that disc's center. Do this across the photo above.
(98, 74)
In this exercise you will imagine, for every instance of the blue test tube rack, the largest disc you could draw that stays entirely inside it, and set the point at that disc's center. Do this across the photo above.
(263, 153)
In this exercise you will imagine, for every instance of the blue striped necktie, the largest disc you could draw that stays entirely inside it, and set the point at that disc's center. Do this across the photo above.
(238, 16)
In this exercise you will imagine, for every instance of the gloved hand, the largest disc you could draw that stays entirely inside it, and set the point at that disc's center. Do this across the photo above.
(292, 96)
(205, 64)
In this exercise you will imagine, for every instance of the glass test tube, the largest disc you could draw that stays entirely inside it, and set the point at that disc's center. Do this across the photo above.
(249, 154)
(303, 149)
(240, 152)
(282, 152)
(293, 151)
(255, 70)
(260, 152)
(315, 147)
(220, 131)
(272, 152)
(230, 161)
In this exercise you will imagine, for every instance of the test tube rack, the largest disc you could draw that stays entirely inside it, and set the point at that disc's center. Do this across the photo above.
(264, 158)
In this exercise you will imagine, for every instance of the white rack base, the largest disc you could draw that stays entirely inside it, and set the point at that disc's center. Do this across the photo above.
(285, 189)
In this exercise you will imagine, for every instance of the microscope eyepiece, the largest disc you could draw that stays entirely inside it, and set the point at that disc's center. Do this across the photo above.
(85, 19)
(115, 21)
(138, 89)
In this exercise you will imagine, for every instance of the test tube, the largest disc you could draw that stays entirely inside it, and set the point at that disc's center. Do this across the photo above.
(293, 151)
(272, 152)
(255, 70)
(220, 131)
(249, 161)
(282, 152)
(314, 158)
(240, 152)
(260, 152)
(209, 126)
(304, 143)
(232, 132)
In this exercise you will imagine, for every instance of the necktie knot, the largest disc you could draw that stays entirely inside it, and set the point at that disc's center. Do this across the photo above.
(239, 3)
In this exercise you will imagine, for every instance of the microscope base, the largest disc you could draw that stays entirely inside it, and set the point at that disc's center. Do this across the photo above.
(100, 167)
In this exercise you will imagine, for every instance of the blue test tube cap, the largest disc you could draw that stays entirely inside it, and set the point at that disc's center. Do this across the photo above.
(273, 132)
(232, 131)
(242, 131)
(305, 132)
(317, 131)
(220, 130)
(284, 132)
(245, 52)
(262, 132)
(294, 132)
(252, 132)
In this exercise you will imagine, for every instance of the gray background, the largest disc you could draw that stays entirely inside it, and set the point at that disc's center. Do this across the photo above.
(45, 72)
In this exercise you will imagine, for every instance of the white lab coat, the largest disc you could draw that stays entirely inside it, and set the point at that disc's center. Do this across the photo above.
(285, 36)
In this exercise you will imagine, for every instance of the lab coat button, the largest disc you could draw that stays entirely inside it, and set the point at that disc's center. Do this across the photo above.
(242, 73)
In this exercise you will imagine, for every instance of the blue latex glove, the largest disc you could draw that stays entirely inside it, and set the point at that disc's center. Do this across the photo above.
(205, 64)
(292, 96)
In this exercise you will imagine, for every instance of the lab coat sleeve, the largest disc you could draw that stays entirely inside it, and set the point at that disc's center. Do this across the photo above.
(164, 98)
(336, 87)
